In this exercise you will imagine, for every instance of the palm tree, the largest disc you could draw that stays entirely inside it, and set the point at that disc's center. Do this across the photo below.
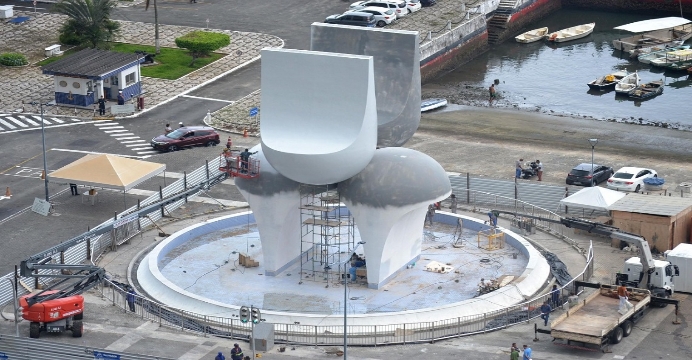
(89, 21)
(156, 25)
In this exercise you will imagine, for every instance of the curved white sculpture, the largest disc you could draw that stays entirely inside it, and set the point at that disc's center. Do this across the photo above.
(388, 200)
(396, 56)
(275, 202)
(319, 114)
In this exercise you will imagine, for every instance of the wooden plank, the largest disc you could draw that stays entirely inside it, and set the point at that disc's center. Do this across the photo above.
(322, 222)
(317, 208)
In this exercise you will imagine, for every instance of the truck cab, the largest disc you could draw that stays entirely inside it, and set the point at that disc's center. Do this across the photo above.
(660, 280)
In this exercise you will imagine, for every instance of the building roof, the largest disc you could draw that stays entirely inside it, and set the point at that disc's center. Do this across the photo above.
(92, 63)
(652, 204)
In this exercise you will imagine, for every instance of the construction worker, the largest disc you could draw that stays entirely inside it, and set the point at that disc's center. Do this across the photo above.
(236, 352)
(356, 262)
(131, 296)
(229, 143)
(220, 356)
(245, 159)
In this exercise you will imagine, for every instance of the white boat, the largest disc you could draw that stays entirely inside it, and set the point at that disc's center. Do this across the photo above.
(658, 53)
(653, 33)
(573, 33)
(627, 84)
(432, 104)
(532, 36)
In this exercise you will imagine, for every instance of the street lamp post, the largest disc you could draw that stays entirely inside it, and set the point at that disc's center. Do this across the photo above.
(43, 140)
(593, 143)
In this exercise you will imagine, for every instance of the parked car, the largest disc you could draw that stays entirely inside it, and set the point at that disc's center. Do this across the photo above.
(184, 137)
(630, 178)
(353, 18)
(399, 6)
(382, 16)
(426, 3)
(582, 174)
(413, 5)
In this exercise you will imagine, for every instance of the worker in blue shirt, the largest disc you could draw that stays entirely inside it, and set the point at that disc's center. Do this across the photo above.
(545, 312)
(220, 356)
(527, 353)
(356, 262)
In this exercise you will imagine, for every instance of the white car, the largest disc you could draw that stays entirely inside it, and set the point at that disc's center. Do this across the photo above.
(413, 5)
(399, 6)
(630, 178)
(382, 16)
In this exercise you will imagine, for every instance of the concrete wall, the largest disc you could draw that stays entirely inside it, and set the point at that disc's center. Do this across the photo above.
(453, 48)
(672, 6)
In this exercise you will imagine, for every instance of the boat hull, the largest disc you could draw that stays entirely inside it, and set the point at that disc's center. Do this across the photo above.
(532, 36)
(647, 91)
(573, 33)
(432, 104)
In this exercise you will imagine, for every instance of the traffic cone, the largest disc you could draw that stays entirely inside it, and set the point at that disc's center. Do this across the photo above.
(245, 133)
(7, 192)
(43, 175)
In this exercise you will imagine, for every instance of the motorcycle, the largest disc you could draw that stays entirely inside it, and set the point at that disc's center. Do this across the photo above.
(529, 170)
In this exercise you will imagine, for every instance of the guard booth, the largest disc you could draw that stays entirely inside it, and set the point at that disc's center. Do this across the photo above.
(81, 78)
(232, 164)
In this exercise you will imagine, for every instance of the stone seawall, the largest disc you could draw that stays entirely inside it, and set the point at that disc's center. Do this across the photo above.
(672, 6)
(528, 12)
(451, 49)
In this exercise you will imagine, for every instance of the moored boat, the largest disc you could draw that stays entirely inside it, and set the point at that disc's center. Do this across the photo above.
(572, 33)
(677, 57)
(647, 90)
(668, 31)
(608, 81)
(432, 104)
(532, 36)
(653, 54)
(627, 84)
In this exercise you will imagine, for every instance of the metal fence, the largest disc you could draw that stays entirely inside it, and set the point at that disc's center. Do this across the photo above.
(25, 348)
(91, 249)
(403, 333)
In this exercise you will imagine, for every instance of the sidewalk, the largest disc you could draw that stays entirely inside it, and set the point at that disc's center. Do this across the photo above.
(111, 328)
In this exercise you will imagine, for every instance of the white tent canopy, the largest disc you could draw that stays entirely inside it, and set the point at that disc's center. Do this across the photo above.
(653, 24)
(596, 198)
(108, 171)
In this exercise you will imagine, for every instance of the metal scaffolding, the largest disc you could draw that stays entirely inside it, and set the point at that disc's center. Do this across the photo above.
(327, 233)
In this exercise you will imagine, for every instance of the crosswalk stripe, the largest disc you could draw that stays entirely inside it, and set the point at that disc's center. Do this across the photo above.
(111, 127)
(115, 131)
(142, 148)
(32, 122)
(120, 134)
(105, 123)
(132, 141)
(7, 124)
(57, 120)
(16, 121)
(147, 152)
(137, 144)
(128, 138)
(38, 118)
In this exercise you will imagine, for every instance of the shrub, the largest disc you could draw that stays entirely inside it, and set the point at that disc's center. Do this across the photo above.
(201, 43)
(13, 59)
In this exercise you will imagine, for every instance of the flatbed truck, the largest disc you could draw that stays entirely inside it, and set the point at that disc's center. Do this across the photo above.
(596, 320)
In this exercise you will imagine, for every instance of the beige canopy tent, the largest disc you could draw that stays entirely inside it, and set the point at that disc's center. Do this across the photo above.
(107, 171)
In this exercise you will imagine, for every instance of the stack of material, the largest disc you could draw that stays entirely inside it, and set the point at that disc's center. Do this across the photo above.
(247, 261)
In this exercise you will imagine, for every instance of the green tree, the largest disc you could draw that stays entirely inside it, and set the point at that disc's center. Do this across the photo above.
(89, 22)
(156, 25)
(201, 43)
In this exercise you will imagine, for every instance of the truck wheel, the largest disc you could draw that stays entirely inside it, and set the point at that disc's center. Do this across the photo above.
(616, 335)
(626, 328)
(79, 316)
(34, 330)
(662, 305)
(77, 328)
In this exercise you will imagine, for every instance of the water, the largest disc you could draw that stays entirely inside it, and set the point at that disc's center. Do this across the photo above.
(553, 78)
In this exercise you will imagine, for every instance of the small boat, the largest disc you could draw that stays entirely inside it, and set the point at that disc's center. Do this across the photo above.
(668, 31)
(432, 104)
(607, 82)
(627, 84)
(676, 57)
(532, 36)
(659, 52)
(573, 33)
(648, 90)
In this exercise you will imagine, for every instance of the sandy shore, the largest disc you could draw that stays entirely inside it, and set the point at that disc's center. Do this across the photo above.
(486, 141)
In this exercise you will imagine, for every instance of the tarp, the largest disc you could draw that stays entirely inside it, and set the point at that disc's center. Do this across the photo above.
(596, 198)
(653, 24)
(108, 171)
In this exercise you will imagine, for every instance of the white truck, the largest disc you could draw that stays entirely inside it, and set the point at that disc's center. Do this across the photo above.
(681, 257)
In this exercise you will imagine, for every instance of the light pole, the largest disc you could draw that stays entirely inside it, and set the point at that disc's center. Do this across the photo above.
(593, 143)
(43, 139)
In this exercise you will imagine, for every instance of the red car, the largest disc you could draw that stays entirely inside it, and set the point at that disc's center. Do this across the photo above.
(186, 136)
